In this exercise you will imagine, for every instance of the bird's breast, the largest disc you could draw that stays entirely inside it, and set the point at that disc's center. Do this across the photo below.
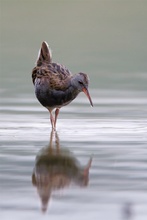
(52, 98)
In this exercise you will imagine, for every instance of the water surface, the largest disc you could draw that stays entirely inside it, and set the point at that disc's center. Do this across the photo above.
(95, 165)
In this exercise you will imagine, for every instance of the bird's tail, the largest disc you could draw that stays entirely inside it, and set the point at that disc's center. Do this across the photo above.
(44, 54)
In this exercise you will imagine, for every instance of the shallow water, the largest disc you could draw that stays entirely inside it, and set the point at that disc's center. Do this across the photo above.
(94, 166)
(116, 143)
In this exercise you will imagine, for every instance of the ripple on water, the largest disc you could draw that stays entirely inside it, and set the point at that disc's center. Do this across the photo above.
(113, 133)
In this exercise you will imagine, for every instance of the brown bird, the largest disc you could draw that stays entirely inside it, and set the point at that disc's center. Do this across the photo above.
(55, 86)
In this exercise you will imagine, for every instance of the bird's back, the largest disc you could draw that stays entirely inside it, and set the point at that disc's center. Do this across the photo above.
(56, 74)
(51, 80)
(46, 68)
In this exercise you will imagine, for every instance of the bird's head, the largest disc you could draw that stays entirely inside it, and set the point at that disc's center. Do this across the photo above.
(81, 82)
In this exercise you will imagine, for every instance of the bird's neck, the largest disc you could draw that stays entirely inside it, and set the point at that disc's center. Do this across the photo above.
(74, 81)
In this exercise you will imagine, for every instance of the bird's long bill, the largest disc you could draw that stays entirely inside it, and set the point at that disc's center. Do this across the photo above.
(88, 95)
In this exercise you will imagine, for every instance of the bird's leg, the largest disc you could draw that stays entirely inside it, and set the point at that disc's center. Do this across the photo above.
(56, 115)
(52, 119)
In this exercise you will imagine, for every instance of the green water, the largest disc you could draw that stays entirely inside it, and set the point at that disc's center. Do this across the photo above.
(107, 40)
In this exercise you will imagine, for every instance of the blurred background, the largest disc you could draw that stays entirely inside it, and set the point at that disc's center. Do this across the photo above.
(107, 40)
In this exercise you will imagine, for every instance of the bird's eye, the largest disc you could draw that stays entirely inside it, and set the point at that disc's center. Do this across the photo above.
(80, 83)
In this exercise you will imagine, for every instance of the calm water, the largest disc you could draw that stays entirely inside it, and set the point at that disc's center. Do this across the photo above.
(113, 133)
(95, 165)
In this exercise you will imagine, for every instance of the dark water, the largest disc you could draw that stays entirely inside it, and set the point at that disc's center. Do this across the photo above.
(95, 165)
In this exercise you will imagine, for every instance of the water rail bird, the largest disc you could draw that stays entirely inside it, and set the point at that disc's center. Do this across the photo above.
(55, 86)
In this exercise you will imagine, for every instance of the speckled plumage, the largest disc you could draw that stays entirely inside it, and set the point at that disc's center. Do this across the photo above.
(55, 86)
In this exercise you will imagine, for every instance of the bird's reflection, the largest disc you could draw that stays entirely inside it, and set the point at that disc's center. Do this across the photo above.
(56, 168)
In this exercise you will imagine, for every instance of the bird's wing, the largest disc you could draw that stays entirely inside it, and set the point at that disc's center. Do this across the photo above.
(57, 75)
(59, 70)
